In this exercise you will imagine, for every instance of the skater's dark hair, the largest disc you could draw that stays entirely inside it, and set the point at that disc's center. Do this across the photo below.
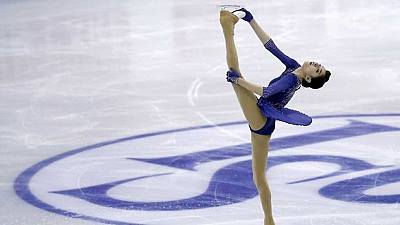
(317, 82)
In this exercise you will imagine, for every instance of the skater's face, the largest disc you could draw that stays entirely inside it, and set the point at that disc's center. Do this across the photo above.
(314, 75)
(313, 69)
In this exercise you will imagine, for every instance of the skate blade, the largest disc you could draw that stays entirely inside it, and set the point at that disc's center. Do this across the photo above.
(229, 8)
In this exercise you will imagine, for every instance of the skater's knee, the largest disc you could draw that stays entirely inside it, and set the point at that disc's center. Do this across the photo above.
(264, 192)
(259, 181)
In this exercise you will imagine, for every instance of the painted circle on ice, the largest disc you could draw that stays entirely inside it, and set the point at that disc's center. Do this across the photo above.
(221, 189)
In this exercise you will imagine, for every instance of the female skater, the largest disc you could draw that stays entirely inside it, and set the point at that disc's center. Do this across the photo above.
(261, 113)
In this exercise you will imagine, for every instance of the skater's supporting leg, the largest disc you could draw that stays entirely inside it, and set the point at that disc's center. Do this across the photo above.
(259, 163)
(247, 100)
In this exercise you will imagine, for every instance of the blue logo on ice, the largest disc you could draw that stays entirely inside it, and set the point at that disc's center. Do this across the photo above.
(232, 183)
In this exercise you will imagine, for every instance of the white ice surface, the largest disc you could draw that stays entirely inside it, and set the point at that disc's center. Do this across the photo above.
(75, 73)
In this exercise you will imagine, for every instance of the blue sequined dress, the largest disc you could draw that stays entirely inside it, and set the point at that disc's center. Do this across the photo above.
(280, 90)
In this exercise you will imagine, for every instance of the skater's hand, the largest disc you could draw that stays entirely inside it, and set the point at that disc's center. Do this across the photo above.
(232, 76)
(248, 17)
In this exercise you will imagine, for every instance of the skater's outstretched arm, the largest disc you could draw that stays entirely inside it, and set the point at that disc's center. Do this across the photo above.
(247, 16)
(261, 34)
(266, 40)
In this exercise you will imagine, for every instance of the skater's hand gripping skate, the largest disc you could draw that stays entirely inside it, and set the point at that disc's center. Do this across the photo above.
(243, 14)
(232, 76)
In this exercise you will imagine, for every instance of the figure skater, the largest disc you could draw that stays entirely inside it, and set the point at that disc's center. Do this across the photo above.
(262, 112)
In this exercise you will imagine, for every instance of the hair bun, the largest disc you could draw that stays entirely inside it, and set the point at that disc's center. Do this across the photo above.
(327, 75)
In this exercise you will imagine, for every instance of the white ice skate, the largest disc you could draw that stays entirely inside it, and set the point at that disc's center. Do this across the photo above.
(232, 9)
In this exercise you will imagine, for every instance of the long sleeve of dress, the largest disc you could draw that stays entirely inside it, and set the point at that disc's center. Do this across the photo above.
(286, 60)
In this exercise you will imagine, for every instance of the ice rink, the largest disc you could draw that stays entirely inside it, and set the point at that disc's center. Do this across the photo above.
(118, 112)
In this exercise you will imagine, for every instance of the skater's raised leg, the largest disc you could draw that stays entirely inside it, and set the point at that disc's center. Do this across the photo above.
(247, 100)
